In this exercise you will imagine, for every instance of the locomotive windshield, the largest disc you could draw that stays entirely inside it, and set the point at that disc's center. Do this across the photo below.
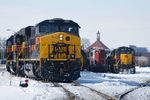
(49, 28)
(69, 29)
(126, 51)
(57, 25)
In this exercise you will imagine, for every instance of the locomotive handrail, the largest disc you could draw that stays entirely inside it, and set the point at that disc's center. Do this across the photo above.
(7, 59)
(8, 55)
(134, 62)
(118, 63)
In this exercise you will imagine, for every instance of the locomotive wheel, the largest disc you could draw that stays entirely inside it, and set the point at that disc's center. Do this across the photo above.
(21, 71)
(132, 70)
(112, 69)
(8, 68)
(116, 70)
(36, 72)
(29, 70)
(121, 70)
(13, 69)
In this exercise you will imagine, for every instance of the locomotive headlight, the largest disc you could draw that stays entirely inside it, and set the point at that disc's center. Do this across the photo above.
(61, 37)
(72, 56)
(51, 55)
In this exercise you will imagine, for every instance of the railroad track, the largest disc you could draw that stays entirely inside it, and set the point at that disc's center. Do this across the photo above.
(120, 96)
(70, 95)
(105, 96)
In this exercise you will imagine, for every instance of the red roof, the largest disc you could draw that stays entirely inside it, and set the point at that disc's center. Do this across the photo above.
(97, 44)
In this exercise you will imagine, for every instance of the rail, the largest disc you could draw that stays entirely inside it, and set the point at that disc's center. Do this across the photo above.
(107, 97)
(70, 95)
(120, 96)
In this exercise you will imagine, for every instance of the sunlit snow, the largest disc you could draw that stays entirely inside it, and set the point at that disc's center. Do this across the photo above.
(108, 83)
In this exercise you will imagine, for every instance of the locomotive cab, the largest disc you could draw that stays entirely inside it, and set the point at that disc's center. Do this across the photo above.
(60, 52)
(122, 60)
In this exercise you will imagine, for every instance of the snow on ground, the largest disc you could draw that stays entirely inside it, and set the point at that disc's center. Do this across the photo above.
(82, 92)
(114, 84)
(35, 91)
(139, 94)
(111, 84)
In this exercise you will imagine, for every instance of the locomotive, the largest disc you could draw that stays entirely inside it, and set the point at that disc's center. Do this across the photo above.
(122, 59)
(97, 59)
(49, 50)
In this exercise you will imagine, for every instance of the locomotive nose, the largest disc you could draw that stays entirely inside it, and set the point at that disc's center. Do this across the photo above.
(126, 59)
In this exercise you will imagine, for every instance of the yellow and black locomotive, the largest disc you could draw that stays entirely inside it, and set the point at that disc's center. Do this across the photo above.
(122, 59)
(50, 50)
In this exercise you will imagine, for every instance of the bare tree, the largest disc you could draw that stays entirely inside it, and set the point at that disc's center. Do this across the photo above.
(142, 61)
(85, 43)
(2, 42)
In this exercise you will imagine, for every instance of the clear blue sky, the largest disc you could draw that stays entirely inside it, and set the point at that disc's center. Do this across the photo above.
(120, 22)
